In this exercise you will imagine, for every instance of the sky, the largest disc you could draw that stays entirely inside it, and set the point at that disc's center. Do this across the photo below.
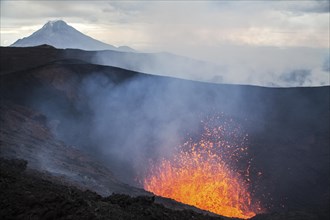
(258, 36)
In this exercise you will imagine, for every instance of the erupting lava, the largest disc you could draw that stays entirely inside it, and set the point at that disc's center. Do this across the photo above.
(202, 173)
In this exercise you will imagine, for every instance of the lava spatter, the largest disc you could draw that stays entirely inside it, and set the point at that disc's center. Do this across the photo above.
(202, 171)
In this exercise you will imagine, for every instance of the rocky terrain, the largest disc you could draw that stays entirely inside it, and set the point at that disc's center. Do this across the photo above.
(29, 194)
(25, 134)
(56, 105)
(164, 64)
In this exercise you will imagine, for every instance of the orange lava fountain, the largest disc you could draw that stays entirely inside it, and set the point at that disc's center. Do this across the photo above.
(199, 174)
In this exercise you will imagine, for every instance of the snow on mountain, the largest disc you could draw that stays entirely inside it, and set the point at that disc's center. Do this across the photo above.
(61, 35)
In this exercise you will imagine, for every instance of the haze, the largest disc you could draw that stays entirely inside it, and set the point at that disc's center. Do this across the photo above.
(258, 42)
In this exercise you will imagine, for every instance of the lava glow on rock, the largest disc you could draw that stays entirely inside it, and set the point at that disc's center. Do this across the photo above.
(201, 172)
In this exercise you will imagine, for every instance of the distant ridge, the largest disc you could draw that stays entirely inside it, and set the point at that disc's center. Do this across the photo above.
(59, 34)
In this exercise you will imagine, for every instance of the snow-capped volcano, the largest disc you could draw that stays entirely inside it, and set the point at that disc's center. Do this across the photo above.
(61, 35)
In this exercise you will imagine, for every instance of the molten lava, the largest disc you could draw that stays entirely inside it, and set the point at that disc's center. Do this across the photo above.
(199, 173)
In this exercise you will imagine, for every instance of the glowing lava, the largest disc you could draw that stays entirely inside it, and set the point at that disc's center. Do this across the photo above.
(199, 173)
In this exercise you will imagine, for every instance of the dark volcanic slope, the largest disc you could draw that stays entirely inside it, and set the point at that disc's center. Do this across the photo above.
(123, 118)
(25, 134)
(30, 195)
(152, 63)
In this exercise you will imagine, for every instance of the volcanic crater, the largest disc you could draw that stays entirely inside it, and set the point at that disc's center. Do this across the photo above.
(84, 141)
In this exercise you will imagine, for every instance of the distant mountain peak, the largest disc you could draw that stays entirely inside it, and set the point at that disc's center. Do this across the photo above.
(55, 24)
(59, 34)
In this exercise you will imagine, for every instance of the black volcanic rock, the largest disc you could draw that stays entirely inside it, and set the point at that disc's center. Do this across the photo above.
(153, 63)
(29, 194)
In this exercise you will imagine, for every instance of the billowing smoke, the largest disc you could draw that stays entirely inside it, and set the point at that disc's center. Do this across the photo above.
(143, 118)
(125, 118)
(245, 65)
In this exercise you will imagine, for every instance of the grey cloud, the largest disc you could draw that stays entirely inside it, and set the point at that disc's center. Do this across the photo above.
(310, 6)
(16, 13)
(299, 8)
(124, 11)
(129, 6)
(306, 6)
(318, 6)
